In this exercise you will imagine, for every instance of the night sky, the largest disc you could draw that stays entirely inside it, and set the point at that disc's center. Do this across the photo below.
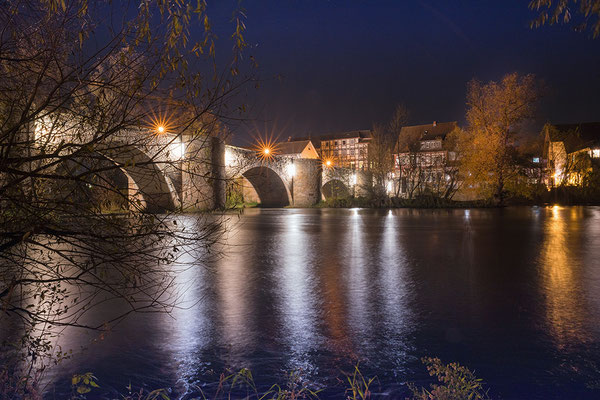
(346, 64)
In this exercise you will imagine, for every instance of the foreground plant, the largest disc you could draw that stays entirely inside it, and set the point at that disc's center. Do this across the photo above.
(455, 383)
(359, 386)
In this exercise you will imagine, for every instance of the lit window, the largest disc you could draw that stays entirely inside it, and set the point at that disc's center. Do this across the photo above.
(536, 159)
(596, 153)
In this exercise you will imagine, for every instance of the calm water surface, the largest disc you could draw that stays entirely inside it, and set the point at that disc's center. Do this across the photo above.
(514, 294)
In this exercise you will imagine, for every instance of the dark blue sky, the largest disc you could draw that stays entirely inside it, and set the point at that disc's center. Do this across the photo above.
(346, 64)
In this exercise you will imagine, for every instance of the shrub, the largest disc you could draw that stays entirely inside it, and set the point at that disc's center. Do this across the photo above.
(456, 383)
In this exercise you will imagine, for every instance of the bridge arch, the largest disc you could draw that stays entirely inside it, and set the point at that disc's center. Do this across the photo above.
(269, 186)
(279, 181)
(144, 180)
(335, 188)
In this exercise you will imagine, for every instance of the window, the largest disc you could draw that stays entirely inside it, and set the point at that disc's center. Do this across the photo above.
(596, 153)
(343, 142)
(536, 160)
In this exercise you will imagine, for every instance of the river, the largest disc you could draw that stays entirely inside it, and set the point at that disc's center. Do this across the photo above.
(513, 294)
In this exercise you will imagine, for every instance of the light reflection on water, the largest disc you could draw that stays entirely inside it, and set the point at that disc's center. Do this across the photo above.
(561, 267)
(514, 294)
(296, 290)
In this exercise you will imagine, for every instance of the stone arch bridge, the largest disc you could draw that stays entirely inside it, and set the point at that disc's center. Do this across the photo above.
(170, 173)
(277, 181)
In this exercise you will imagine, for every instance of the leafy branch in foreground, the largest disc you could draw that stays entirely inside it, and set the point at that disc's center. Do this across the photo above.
(82, 86)
(584, 14)
(456, 382)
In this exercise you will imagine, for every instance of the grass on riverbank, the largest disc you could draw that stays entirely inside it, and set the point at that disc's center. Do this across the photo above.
(453, 382)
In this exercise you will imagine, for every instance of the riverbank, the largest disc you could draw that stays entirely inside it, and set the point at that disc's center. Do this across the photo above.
(433, 202)
(361, 202)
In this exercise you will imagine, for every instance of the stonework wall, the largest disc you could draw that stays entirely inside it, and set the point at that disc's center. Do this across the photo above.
(364, 184)
(200, 168)
(211, 165)
(306, 182)
(357, 183)
(218, 175)
(248, 192)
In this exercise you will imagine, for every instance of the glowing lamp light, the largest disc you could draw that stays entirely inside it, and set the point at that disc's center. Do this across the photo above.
(389, 186)
(353, 179)
(160, 129)
(266, 149)
(229, 158)
(291, 170)
(177, 150)
(328, 163)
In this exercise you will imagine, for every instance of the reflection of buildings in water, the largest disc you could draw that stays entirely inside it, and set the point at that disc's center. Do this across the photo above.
(334, 293)
(357, 264)
(191, 325)
(365, 287)
(234, 298)
(591, 278)
(560, 268)
(296, 293)
(393, 289)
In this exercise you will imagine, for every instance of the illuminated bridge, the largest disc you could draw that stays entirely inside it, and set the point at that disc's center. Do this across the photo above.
(167, 173)
(208, 170)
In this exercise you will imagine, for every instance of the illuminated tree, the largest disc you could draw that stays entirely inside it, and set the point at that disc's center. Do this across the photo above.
(496, 111)
(84, 85)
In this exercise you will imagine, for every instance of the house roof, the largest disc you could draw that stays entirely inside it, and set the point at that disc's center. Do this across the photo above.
(429, 131)
(360, 134)
(575, 136)
(410, 137)
(293, 147)
(363, 135)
